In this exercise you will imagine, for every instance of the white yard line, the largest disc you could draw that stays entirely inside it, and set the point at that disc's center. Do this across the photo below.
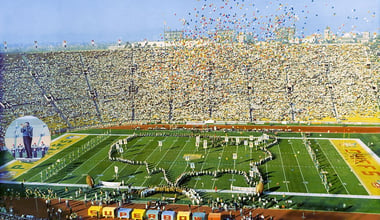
(94, 155)
(317, 169)
(205, 159)
(220, 160)
(171, 165)
(127, 165)
(361, 182)
(283, 169)
(233, 175)
(110, 167)
(266, 170)
(146, 158)
(167, 151)
(334, 168)
(195, 150)
(295, 155)
(142, 184)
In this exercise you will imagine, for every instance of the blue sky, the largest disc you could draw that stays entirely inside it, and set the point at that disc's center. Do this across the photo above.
(23, 21)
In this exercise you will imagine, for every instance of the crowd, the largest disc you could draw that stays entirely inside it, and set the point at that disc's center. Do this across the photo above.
(226, 82)
(63, 203)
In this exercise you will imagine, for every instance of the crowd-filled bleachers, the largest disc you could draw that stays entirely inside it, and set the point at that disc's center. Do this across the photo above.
(207, 80)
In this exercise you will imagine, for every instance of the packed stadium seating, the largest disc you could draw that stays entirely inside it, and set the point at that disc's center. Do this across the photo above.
(207, 80)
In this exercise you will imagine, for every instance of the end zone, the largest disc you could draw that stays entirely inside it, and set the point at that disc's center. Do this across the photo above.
(15, 168)
(362, 161)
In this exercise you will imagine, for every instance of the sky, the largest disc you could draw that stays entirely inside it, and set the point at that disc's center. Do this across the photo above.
(24, 21)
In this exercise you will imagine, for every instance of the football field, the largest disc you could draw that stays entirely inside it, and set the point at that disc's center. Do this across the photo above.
(291, 169)
(294, 171)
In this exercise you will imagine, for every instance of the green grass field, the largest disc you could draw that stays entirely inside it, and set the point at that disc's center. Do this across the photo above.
(291, 170)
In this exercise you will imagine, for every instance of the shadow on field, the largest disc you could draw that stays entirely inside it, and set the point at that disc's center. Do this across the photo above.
(135, 173)
(69, 177)
(275, 188)
(267, 174)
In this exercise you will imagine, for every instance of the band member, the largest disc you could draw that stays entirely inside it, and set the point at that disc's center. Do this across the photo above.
(27, 134)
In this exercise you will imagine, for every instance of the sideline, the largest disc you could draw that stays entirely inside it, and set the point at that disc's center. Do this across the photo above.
(203, 190)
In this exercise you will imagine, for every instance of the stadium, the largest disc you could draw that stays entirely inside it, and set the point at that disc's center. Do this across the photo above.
(192, 127)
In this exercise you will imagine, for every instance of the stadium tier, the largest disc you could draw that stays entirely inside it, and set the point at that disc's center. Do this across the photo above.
(226, 82)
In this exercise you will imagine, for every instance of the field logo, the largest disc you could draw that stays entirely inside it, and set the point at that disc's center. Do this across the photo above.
(349, 144)
(362, 162)
(73, 137)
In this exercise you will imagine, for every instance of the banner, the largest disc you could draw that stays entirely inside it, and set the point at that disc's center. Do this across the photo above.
(239, 188)
(234, 156)
(110, 184)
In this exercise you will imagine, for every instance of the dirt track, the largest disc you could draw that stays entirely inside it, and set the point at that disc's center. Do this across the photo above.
(38, 208)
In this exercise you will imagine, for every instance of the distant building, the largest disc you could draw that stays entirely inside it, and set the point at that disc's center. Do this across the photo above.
(365, 38)
(250, 37)
(173, 35)
(312, 39)
(327, 36)
(245, 37)
(285, 34)
(376, 37)
(241, 38)
(351, 37)
(226, 35)
(346, 38)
